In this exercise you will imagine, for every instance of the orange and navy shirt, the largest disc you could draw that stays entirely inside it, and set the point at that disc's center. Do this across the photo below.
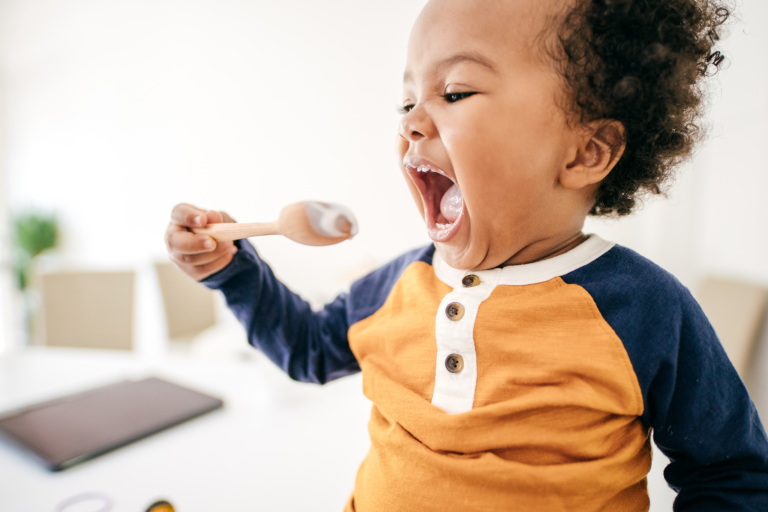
(529, 387)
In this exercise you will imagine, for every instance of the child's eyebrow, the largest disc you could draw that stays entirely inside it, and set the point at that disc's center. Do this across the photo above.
(453, 60)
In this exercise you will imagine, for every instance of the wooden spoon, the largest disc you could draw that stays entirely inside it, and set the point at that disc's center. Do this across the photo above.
(308, 223)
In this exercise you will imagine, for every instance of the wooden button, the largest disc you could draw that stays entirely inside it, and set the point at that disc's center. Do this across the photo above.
(454, 363)
(470, 281)
(454, 311)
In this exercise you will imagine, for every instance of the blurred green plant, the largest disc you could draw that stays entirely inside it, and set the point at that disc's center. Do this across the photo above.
(33, 234)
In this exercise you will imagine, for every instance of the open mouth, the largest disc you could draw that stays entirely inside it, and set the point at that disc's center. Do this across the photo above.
(443, 203)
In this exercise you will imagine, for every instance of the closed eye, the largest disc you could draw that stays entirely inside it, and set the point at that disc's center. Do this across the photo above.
(453, 97)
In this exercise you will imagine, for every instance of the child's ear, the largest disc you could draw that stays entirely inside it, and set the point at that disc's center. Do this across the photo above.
(597, 153)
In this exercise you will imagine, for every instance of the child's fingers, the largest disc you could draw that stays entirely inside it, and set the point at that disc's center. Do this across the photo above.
(216, 265)
(170, 231)
(185, 242)
(200, 272)
(206, 257)
(214, 217)
(188, 216)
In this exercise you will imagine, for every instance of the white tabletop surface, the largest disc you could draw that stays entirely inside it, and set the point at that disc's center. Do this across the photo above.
(276, 446)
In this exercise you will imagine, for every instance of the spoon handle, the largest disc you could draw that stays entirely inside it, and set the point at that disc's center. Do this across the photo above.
(226, 231)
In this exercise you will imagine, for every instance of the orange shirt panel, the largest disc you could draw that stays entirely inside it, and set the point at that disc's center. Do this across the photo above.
(397, 343)
(549, 340)
(400, 474)
(555, 420)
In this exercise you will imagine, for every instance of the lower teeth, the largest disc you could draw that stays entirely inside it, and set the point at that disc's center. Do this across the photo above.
(442, 226)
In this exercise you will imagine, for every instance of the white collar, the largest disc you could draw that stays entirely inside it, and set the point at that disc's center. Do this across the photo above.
(531, 273)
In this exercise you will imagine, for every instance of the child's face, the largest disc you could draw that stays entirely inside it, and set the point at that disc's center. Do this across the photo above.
(484, 113)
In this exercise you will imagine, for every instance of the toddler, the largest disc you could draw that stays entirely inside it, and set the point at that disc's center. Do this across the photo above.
(517, 363)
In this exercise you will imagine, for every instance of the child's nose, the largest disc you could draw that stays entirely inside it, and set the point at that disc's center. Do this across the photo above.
(416, 125)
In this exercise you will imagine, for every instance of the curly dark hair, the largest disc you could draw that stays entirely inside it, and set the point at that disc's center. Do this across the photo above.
(640, 62)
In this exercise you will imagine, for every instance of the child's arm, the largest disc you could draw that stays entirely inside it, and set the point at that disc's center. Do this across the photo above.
(705, 422)
(310, 346)
(700, 411)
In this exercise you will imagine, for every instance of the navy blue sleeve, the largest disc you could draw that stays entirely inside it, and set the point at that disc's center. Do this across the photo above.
(369, 294)
(700, 411)
(310, 346)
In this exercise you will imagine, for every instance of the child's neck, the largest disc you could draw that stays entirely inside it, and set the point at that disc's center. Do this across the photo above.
(545, 249)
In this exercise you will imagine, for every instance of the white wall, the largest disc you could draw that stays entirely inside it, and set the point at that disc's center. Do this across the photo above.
(115, 110)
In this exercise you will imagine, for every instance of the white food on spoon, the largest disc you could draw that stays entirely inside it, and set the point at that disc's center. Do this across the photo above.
(331, 220)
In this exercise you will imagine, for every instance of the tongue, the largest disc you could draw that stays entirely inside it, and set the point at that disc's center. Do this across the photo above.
(452, 204)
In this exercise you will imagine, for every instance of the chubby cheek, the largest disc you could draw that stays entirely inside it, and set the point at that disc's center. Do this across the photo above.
(503, 181)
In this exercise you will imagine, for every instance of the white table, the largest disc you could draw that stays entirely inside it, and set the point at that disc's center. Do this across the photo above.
(276, 445)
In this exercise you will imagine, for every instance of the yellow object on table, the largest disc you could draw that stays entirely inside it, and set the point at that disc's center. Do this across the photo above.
(161, 506)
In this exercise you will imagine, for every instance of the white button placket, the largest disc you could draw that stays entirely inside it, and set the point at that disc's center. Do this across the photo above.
(455, 391)
(456, 379)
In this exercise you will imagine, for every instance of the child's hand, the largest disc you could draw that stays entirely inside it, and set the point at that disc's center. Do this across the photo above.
(198, 256)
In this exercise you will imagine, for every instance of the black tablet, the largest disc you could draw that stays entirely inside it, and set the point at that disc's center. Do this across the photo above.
(70, 430)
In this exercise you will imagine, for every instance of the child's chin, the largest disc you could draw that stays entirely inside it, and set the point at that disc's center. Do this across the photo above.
(459, 255)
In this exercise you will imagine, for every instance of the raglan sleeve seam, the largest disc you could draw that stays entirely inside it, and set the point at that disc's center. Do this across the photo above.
(629, 369)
